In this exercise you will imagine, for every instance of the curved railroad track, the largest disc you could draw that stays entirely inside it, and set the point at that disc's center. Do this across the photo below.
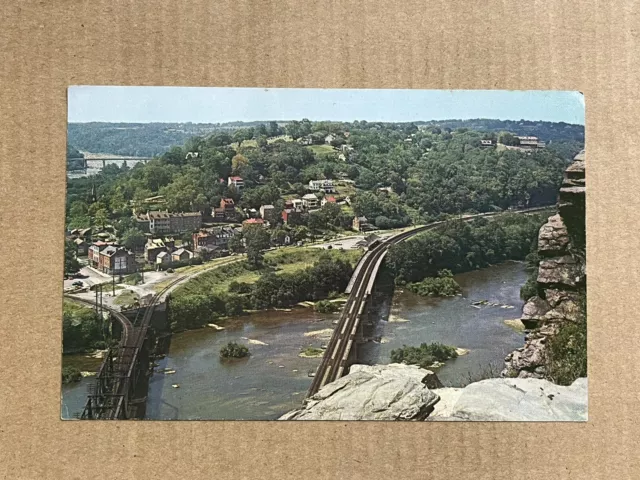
(335, 358)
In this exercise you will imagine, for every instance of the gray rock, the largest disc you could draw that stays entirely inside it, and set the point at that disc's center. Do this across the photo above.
(379, 392)
(513, 399)
(553, 238)
(564, 270)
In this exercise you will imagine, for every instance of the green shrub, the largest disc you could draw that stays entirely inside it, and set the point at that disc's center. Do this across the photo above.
(234, 350)
(442, 285)
(71, 374)
(325, 306)
(81, 329)
(567, 354)
(425, 355)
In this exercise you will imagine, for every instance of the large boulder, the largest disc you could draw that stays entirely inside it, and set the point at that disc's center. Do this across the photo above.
(378, 392)
(513, 399)
(553, 238)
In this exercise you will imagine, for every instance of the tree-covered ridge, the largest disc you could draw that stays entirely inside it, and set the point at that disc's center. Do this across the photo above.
(425, 173)
(148, 139)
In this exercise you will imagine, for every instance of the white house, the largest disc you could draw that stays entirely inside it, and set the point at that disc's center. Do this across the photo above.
(325, 186)
(310, 201)
(236, 182)
(329, 138)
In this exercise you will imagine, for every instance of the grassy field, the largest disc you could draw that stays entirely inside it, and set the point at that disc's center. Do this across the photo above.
(283, 260)
(322, 149)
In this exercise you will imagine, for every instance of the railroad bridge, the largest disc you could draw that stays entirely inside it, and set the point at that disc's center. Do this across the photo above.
(341, 351)
(122, 381)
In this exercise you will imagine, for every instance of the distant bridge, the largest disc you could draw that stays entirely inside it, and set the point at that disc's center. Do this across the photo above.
(119, 161)
(341, 351)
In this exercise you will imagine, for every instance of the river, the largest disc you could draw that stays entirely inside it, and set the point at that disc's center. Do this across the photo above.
(274, 379)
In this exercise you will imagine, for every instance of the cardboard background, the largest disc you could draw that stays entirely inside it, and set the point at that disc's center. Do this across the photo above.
(45, 46)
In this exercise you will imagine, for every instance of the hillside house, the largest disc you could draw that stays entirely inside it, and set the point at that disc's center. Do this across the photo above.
(329, 138)
(236, 182)
(530, 142)
(328, 199)
(486, 143)
(325, 186)
(310, 201)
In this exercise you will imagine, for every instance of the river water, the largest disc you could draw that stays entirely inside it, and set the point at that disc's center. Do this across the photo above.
(274, 379)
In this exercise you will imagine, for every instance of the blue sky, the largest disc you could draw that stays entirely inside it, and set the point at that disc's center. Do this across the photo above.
(213, 105)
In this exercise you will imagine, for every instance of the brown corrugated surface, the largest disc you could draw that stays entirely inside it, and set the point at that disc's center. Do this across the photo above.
(571, 45)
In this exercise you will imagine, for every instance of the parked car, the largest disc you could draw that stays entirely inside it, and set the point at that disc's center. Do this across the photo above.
(78, 283)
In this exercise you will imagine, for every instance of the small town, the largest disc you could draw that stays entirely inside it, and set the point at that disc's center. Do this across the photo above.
(251, 270)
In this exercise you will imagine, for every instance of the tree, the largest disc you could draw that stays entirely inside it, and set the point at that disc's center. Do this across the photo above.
(274, 129)
(238, 162)
(133, 239)
(235, 244)
(71, 264)
(100, 218)
(507, 138)
(257, 240)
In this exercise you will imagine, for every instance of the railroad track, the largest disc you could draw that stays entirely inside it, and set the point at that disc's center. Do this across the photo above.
(334, 362)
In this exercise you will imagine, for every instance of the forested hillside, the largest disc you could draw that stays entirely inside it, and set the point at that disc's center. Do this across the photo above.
(393, 174)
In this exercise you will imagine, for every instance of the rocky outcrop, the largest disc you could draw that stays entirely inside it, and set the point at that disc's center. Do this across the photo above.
(513, 399)
(561, 275)
(402, 392)
(379, 392)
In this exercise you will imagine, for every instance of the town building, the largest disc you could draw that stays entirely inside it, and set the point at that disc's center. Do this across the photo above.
(310, 201)
(297, 204)
(228, 205)
(218, 214)
(253, 221)
(236, 182)
(163, 258)
(155, 246)
(291, 216)
(325, 186)
(328, 199)
(115, 260)
(93, 253)
(361, 224)
(82, 247)
(269, 213)
(162, 222)
(217, 237)
(181, 255)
